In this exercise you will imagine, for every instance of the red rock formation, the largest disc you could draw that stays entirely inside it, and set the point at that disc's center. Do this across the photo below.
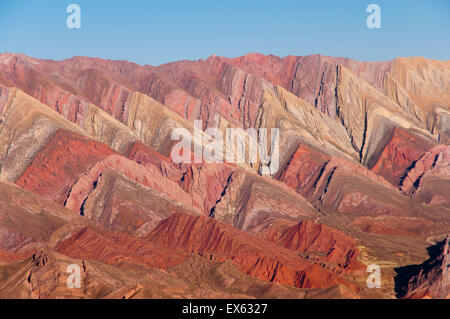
(256, 225)
(320, 243)
(313, 77)
(308, 170)
(205, 181)
(66, 86)
(319, 178)
(399, 154)
(428, 180)
(120, 204)
(308, 236)
(201, 89)
(373, 204)
(304, 169)
(144, 155)
(259, 258)
(192, 89)
(146, 176)
(113, 248)
(220, 86)
(60, 163)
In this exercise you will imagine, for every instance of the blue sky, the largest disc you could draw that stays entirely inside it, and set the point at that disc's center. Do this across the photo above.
(156, 32)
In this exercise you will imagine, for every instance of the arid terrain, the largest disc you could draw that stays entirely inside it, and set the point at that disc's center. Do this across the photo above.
(87, 178)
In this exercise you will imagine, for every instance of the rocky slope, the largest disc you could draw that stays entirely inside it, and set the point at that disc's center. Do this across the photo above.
(216, 241)
(87, 177)
(430, 279)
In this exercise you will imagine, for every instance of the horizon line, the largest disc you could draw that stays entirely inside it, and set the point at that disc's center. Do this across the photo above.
(214, 55)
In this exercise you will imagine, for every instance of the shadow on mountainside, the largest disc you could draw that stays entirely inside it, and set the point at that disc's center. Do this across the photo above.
(411, 275)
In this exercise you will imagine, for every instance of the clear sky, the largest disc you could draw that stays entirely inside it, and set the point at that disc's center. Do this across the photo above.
(156, 32)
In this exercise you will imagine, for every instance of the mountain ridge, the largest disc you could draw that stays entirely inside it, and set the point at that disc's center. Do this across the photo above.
(85, 149)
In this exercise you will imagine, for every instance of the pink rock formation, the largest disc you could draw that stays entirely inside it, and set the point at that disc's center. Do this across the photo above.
(312, 237)
(428, 178)
(146, 176)
(399, 154)
(60, 163)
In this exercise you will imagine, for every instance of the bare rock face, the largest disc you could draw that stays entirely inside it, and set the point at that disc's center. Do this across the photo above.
(146, 176)
(144, 155)
(400, 154)
(422, 84)
(219, 89)
(249, 199)
(112, 264)
(25, 128)
(430, 279)
(115, 247)
(312, 173)
(261, 259)
(120, 204)
(312, 78)
(222, 89)
(363, 177)
(372, 203)
(317, 241)
(60, 163)
(304, 168)
(428, 180)
(66, 86)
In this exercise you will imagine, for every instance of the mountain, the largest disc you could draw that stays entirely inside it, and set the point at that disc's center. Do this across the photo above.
(88, 177)
(430, 279)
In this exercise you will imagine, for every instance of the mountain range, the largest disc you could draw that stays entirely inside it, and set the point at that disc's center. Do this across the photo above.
(87, 178)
